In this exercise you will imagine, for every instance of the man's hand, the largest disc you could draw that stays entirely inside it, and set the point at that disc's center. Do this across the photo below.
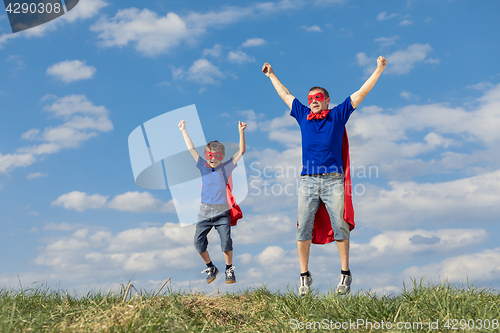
(359, 95)
(381, 62)
(267, 69)
(241, 126)
(182, 125)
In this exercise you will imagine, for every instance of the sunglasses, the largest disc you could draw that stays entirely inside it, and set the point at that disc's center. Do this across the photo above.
(319, 97)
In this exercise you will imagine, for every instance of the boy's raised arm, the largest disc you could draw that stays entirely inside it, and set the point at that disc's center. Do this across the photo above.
(187, 139)
(280, 88)
(359, 95)
(243, 147)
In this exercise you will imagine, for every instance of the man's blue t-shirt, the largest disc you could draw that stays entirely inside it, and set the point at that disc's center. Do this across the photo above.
(322, 139)
(214, 185)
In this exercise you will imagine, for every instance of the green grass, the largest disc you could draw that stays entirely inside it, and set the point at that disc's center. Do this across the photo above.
(40, 309)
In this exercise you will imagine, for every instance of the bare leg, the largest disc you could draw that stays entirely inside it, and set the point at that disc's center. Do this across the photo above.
(206, 257)
(303, 250)
(229, 257)
(343, 246)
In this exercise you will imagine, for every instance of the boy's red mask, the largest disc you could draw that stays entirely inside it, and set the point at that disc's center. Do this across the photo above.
(216, 154)
(318, 96)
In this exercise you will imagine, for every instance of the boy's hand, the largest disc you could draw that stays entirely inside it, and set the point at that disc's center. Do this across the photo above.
(182, 125)
(267, 69)
(381, 62)
(241, 126)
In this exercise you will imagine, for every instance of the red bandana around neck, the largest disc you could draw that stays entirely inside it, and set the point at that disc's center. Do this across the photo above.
(320, 115)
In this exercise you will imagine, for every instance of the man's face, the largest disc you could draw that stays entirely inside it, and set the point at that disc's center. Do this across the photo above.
(214, 157)
(317, 101)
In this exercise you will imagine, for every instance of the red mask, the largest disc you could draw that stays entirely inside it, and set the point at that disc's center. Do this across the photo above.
(318, 96)
(216, 154)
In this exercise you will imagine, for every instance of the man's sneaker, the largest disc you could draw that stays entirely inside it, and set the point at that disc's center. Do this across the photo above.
(230, 277)
(211, 273)
(344, 286)
(305, 284)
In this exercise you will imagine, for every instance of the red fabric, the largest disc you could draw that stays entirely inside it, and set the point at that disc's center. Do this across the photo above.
(234, 210)
(322, 230)
(319, 115)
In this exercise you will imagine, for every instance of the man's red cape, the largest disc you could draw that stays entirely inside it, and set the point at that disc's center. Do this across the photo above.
(322, 230)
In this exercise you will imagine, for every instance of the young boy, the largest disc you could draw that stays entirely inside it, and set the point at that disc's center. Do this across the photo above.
(214, 209)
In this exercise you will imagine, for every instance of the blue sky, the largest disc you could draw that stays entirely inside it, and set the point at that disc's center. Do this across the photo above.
(72, 90)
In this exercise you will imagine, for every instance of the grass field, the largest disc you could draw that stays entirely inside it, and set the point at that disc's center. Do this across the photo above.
(418, 308)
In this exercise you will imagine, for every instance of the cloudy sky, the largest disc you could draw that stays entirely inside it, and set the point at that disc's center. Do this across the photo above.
(424, 143)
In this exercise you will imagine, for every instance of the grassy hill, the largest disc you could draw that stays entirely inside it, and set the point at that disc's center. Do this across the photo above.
(418, 308)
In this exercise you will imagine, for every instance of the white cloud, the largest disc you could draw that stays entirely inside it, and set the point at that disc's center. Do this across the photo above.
(277, 228)
(384, 16)
(61, 226)
(405, 23)
(381, 137)
(70, 71)
(483, 266)
(150, 33)
(127, 202)
(153, 34)
(215, 52)
(84, 121)
(202, 71)
(11, 161)
(140, 202)
(254, 42)
(459, 201)
(80, 201)
(408, 96)
(84, 10)
(313, 28)
(387, 41)
(399, 62)
(239, 57)
(34, 175)
(73, 104)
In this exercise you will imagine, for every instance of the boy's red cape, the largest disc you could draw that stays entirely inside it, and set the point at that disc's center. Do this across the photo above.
(322, 230)
(234, 210)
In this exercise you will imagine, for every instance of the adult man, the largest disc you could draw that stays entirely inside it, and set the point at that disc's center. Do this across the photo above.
(322, 173)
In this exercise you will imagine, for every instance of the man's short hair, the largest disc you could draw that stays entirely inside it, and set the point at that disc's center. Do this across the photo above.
(215, 146)
(323, 90)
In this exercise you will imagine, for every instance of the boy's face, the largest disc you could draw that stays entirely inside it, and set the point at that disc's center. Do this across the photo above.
(214, 157)
(317, 101)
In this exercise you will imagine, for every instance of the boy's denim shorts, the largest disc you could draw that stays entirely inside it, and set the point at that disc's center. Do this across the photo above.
(328, 188)
(213, 216)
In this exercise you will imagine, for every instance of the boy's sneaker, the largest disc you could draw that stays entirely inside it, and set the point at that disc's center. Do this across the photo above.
(230, 277)
(211, 273)
(305, 284)
(344, 286)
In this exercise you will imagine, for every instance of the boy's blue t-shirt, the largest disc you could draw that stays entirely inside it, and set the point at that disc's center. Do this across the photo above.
(322, 139)
(214, 185)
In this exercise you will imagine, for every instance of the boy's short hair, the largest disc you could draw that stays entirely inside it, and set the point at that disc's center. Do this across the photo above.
(323, 90)
(215, 146)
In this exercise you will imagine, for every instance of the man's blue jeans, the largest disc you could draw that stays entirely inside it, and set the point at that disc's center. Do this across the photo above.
(328, 188)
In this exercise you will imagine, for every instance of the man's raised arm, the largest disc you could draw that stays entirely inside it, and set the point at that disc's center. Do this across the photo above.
(359, 95)
(280, 88)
